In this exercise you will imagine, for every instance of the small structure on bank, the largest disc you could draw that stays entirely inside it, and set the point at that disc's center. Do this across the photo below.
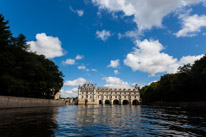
(57, 96)
(91, 95)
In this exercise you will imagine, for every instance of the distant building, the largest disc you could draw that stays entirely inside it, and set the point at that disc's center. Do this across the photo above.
(90, 94)
(57, 95)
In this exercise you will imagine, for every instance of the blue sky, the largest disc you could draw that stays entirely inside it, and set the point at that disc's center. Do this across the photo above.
(111, 43)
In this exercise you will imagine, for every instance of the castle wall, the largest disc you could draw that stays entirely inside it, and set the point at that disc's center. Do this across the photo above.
(89, 94)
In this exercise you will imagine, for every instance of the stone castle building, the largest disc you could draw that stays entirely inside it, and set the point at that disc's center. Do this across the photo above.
(92, 95)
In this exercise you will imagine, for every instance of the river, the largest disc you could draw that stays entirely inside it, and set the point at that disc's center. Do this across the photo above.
(100, 120)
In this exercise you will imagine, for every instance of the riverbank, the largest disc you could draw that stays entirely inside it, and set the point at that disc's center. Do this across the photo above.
(23, 102)
(188, 105)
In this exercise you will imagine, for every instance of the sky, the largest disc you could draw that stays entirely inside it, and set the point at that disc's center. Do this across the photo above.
(111, 42)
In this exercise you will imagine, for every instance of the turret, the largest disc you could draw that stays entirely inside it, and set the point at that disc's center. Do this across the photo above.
(136, 86)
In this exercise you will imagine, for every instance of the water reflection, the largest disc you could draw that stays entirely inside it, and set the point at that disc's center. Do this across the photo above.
(130, 121)
(28, 121)
(102, 121)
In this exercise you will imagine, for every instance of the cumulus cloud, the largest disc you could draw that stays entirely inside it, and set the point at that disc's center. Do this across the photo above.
(79, 57)
(115, 82)
(114, 63)
(147, 13)
(116, 72)
(73, 92)
(79, 12)
(76, 82)
(69, 92)
(103, 35)
(191, 25)
(68, 62)
(72, 61)
(189, 59)
(147, 57)
(46, 45)
(81, 67)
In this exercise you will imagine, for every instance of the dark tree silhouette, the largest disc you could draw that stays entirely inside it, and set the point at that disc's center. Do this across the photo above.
(24, 73)
(188, 84)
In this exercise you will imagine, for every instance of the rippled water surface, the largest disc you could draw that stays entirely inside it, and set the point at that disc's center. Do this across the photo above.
(102, 121)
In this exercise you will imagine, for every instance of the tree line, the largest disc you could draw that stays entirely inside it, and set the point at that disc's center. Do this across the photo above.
(24, 73)
(188, 84)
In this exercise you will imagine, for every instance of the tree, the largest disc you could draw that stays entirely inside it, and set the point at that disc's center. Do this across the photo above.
(24, 73)
(188, 84)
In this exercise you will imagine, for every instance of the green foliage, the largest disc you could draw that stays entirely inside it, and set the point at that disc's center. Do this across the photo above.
(24, 73)
(188, 84)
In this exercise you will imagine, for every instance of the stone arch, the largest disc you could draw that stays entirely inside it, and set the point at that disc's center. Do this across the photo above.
(125, 102)
(107, 102)
(116, 102)
(100, 102)
(135, 102)
(86, 101)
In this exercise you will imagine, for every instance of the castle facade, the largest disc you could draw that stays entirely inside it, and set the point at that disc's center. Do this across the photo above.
(91, 95)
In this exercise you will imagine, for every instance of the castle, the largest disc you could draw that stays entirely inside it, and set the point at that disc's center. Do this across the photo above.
(91, 95)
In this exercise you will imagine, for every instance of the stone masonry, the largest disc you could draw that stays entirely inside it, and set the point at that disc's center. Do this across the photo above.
(91, 95)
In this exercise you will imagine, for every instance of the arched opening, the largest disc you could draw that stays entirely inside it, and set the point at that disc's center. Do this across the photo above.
(107, 102)
(100, 102)
(135, 102)
(116, 102)
(125, 102)
(86, 101)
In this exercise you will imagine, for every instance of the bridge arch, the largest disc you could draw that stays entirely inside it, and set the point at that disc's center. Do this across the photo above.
(66, 102)
(135, 102)
(107, 102)
(100, 102)
(116, 102)
(125, 102)
(86, 101)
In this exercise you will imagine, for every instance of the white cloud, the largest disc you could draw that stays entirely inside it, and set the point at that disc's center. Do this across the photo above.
(94, 70)
(68, 62)
(103, 35)
(76, 82)
(115, 82)
(46, 45)
(191, 25)
(114, 63)
(135, 34)
(79, 57)
(116, 72)
(189, 59)
(81, 67)
(147, 57)
(69, 93)
(147, 13)
(79, 12)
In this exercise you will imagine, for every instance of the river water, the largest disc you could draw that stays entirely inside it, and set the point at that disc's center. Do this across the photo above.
(99, 120)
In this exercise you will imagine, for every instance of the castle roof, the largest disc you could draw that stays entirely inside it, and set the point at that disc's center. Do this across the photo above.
(116, 89)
